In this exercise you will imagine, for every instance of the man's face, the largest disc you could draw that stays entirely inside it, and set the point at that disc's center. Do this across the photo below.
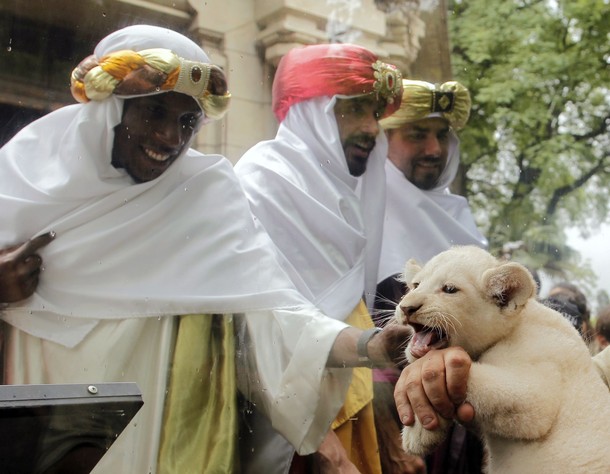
(153, 132)
(419, 149)
(357, 122)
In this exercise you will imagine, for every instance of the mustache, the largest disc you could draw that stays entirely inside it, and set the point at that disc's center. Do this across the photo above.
(430, 159)
(363, 140)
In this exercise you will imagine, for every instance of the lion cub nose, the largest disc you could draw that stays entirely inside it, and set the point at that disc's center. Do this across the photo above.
(410, 310)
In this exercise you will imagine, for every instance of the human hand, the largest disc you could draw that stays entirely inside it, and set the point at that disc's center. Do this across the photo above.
(20, 268)
(387, 348)
(331, 457)
(436, 383)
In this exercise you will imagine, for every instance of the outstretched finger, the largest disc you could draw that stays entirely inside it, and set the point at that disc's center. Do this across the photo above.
(33, 245)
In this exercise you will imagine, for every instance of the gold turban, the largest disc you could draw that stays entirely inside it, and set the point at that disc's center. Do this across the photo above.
(130, 73)
(420, 100)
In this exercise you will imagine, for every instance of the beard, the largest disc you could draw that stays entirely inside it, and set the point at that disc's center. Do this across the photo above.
(357, 150)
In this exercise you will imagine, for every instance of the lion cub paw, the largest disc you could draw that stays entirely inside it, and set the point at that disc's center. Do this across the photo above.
(419, 441)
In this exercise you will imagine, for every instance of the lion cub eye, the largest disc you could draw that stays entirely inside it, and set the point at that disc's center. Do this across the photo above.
(414, 285)
(449, 289)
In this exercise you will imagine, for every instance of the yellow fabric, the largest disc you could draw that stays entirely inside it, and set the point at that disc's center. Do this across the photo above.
(354, 424)
(200, 426)
(360, 441)
(420, 99)
(121, 63)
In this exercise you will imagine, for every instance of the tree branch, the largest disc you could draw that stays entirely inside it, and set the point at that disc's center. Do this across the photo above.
(563, 191)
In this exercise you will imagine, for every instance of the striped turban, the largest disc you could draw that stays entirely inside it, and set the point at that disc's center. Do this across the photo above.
(132, 73)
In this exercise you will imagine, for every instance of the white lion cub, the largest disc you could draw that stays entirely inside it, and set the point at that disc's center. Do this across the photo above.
(540, 405)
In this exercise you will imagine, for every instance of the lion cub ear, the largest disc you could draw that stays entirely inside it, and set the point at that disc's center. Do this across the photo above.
(411, 268)
(510, 285)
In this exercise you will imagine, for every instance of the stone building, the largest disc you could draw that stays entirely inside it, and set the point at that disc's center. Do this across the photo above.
(42, 40)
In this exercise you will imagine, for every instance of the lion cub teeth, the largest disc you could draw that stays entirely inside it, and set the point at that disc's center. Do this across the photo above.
(424, 341)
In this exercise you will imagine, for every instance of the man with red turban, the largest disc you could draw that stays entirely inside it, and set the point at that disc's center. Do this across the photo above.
(318, 188)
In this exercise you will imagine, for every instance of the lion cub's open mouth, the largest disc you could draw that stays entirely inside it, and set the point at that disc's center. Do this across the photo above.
(425, 339)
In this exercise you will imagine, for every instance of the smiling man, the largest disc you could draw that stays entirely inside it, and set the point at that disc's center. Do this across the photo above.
(420, 150)
(422, 216)
(173, 119)
(318, 189)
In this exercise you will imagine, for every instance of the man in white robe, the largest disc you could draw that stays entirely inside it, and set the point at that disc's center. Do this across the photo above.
(146, 228)
(318, 189)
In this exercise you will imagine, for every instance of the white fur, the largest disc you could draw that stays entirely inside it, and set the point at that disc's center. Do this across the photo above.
(540, 405)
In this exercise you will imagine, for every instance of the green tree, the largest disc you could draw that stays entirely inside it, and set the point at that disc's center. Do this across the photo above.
(536, 151)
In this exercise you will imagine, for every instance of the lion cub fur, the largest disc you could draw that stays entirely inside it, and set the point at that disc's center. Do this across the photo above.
(540, 404)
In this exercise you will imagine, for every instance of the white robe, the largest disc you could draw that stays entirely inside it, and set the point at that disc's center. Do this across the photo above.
(325, 222)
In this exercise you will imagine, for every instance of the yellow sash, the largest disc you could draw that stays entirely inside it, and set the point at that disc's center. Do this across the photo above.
(200, 425)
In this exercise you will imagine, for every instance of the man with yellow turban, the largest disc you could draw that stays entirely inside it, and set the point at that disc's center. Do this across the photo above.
(422, 218)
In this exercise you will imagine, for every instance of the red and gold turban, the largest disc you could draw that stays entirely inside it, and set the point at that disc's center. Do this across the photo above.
(130, 73)
(333, 69)
(420, 100)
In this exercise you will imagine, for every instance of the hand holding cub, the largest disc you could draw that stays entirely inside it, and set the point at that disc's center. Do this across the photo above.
(434, 385)
(431, 391)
